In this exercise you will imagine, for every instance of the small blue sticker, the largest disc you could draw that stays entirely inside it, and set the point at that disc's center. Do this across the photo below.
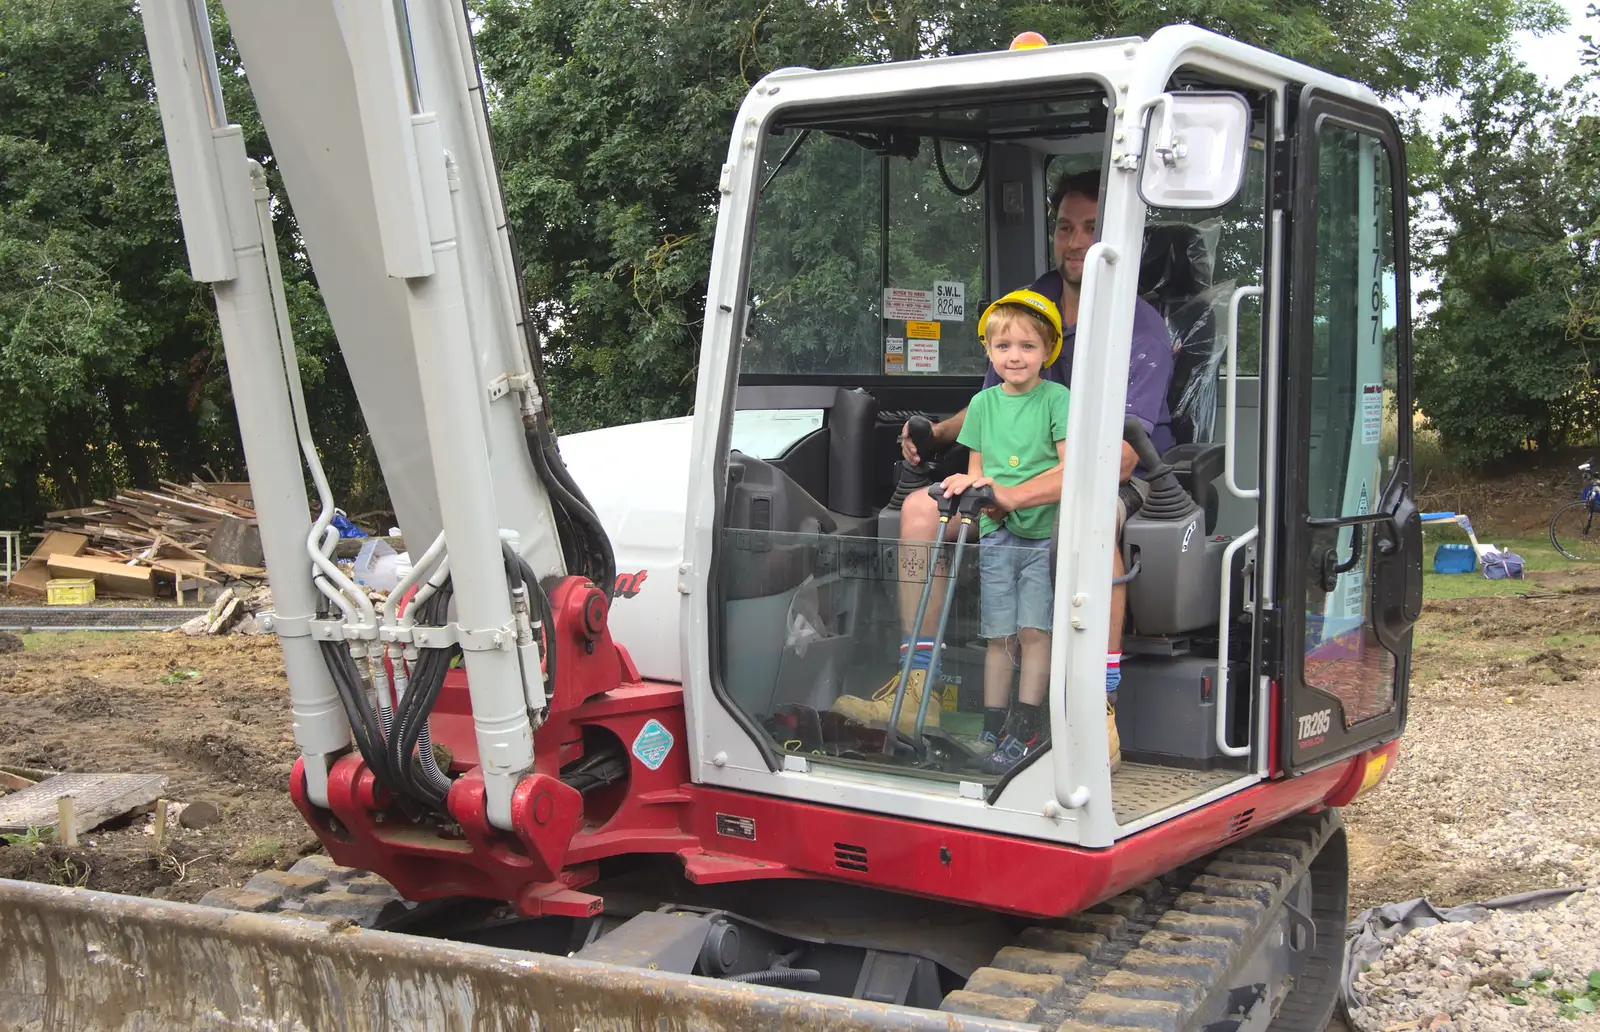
(652, 744)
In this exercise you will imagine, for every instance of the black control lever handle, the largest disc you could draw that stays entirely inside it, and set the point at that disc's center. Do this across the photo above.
(1136, 435)
(974, 499)
(920, 430)
(968, 503)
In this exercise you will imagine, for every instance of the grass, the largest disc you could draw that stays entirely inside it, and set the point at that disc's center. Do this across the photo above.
(71, 641)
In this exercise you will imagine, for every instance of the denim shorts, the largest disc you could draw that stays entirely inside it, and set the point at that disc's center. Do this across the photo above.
(1014, 584)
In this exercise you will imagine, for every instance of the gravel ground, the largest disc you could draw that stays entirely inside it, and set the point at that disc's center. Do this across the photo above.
(1493, 796)
(1489, 797)
(1466, 976)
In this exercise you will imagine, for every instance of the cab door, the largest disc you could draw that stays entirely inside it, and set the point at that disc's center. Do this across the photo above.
(1350, 554)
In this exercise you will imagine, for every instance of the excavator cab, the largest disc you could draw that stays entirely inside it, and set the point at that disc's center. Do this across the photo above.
(869, 217)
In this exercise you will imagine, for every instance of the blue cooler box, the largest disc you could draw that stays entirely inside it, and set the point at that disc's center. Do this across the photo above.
(1455, 559)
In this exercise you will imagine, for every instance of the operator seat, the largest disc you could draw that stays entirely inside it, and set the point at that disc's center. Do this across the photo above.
(1175, 277)
(1170, 539)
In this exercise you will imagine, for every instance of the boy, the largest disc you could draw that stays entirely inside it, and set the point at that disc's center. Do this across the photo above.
(1016, 430)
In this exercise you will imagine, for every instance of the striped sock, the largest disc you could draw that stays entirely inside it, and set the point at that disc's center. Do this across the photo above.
(1113, 671)
(923, 656)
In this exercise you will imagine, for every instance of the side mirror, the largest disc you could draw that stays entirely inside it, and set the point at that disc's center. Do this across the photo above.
(1194, 150)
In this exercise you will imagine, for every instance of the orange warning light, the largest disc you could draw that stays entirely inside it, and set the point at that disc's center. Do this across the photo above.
(1028, 41)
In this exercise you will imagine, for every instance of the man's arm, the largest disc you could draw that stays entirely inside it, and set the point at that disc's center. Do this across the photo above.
(1045, 489)
(946, 431)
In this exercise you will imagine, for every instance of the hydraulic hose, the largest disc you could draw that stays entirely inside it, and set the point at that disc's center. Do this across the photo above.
(585, 544)
(363, 723)
(411, 716)
(547, 623)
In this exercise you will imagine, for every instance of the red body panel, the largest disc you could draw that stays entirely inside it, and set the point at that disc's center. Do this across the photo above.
(559, 835)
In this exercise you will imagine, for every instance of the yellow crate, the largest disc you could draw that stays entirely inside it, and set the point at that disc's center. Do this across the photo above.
(69, 592)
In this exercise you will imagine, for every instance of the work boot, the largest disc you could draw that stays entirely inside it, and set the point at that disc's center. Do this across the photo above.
(876, 710)
(1111, 732)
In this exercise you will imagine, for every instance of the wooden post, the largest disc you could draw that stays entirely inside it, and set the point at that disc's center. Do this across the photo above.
(69, 826)
(161, 821)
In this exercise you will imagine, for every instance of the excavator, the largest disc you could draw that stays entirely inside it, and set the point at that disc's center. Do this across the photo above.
(585, 767)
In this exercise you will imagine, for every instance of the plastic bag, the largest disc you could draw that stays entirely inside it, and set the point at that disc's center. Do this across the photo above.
(346, 529)
(380, 567)
(804, 623)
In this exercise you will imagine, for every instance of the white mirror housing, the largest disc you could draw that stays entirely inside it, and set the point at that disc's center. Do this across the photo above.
(1194, 150)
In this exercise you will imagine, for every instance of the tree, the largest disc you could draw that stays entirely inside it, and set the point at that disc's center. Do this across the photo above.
(612, 122)
(1509, 355)
(110, 361)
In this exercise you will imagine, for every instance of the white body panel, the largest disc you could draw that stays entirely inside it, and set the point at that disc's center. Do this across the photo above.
(634, 478)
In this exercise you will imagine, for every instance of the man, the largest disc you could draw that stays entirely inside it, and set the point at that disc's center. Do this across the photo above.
(1074, 206)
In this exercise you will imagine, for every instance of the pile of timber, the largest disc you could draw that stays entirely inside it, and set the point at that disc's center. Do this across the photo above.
(149, 544)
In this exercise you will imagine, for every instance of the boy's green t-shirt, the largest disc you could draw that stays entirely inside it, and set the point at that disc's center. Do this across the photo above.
(1016, 434)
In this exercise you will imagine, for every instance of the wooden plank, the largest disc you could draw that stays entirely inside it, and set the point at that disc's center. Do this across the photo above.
(179, 505)
(203, 494)
(35, 572)
(187, 569)
(10, 780)
(233, 571)
(74, 513)
(138, 581)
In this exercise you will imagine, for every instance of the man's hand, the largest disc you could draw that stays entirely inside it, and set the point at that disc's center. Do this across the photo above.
(908, 451)
(945, 433)
(1130, 459)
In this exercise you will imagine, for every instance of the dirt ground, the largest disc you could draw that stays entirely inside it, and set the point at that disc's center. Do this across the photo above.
(211, 713)
(1490, 796)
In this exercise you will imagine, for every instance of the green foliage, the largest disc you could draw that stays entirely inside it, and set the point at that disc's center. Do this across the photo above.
(32, 839)
(1509, 354)
(1573, 1003)
(110, 361)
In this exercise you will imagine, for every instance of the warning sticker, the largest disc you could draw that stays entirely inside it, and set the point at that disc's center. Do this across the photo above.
(922, 330)
(894, 355)
(1371, 412)
(949, 301)
(922, 356)
(652, 744)
(736, 827)
(899, 303)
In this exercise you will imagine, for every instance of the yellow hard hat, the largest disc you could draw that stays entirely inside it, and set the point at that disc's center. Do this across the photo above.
(1031, 299)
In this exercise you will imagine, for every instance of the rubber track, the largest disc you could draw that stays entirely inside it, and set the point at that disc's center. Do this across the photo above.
(1152, 959)
(316, 887)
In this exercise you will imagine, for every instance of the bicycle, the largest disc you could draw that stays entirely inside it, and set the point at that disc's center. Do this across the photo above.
(1575, 523)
